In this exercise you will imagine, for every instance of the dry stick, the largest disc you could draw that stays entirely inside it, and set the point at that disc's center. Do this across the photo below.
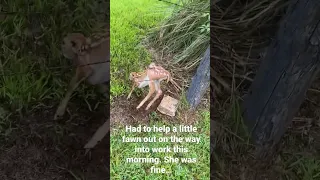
(216, 88)
(263, 11)
(69, 171)
(247, 59)
(227, 10)
(301, 119)
(175, 84)
(233, 80)
(241, 76)
(97, 43)
(229, 131)
(314, 90)
(241, 83)
(221, 81)
(170, 92)
(230, 61)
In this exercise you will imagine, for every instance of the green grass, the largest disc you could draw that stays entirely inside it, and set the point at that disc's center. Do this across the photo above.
(130, 20)
(301, 167)
(31, 63)
(199, 170)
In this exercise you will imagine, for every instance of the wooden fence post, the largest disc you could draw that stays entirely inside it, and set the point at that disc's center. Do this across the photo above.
(200, 81)
(284, 76)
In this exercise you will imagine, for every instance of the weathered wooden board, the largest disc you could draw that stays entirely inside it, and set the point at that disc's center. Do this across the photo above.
(285, 74)
(200, 81)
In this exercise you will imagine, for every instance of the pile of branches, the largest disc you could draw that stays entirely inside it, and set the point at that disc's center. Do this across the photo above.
(240, 32)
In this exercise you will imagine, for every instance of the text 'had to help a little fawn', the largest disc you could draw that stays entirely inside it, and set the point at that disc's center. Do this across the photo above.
(164, 129)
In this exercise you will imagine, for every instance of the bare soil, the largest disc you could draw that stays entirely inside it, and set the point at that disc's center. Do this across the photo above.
(124, 112)
(43, 149)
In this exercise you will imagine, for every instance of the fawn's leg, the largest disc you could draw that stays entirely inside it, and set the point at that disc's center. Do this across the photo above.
(133, 86)
(104, 89)
(81, 74)
(151, 91)
(159, 92)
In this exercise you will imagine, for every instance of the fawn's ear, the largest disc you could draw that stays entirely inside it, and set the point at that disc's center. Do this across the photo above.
(152, 65)
(88, 41)
(132, 75)
(66, 48)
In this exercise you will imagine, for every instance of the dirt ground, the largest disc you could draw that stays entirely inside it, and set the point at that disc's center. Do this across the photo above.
(297, 153)
(42, 149)
(123, 113)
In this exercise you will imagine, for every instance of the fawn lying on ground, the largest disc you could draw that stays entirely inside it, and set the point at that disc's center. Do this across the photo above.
(92, 61)
(151, 76)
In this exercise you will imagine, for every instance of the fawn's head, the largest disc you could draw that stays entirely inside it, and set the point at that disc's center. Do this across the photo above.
(152, 65)
(75, 44)
(135, 75)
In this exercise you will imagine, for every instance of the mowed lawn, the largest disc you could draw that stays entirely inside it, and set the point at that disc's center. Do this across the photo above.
(130, 20)
(120, 151)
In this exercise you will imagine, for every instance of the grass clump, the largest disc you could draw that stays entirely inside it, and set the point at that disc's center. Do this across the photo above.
(240, 31)
(186, 33)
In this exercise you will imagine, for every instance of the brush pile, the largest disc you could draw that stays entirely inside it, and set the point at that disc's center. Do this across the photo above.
(240, 32)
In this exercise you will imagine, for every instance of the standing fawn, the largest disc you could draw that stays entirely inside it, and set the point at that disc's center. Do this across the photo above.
(92, 61)
(151, 76)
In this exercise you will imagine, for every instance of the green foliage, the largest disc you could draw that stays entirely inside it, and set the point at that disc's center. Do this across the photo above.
(186, 33)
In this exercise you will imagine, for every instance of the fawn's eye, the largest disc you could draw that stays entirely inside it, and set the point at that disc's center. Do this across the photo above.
(73, 43)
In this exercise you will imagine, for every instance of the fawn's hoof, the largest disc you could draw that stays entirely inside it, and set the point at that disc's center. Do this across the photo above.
(59, 114)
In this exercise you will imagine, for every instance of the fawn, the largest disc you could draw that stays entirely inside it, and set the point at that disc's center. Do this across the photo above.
(151, 76)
